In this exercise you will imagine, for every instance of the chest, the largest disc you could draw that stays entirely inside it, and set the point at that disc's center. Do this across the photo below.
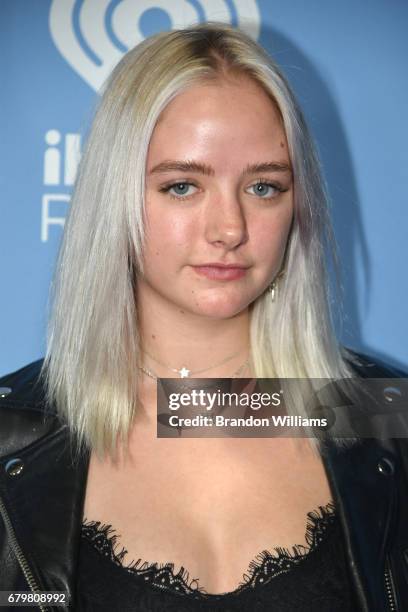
(209, 505)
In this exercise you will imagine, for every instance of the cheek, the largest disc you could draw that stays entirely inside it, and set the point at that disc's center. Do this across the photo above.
(271, 237)
(168, 233)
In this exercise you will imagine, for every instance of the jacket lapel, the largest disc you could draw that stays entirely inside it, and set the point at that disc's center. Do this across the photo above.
(47, 521)
(364, 492)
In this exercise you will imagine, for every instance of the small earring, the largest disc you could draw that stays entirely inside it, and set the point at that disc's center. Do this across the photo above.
(273, 287)
(273, 290)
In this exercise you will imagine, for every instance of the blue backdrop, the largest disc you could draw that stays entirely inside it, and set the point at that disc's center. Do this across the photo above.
(347, 63)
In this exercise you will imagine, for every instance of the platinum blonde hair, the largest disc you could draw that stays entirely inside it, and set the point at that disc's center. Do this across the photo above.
(92, 355)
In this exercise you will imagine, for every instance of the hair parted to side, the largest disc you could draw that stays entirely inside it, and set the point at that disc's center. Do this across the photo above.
(92, 357)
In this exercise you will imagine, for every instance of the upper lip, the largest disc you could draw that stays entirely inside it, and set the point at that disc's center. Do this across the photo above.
(218, 264)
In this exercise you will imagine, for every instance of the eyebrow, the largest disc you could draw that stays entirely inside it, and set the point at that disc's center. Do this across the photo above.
(192, 166)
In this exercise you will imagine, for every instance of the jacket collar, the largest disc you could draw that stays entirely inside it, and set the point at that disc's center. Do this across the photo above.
(45, 504)
(364, 490)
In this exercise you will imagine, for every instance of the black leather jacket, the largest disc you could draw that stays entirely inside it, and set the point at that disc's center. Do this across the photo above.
(42, 496)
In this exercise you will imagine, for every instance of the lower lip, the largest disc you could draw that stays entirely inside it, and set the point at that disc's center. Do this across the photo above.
(220, 273)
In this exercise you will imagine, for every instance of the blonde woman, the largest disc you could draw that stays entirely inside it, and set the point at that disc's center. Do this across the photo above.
(195, 247)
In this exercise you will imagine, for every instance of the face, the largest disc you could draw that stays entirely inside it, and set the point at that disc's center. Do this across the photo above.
(219, 200)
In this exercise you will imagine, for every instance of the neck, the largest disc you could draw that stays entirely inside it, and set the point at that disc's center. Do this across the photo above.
(177, 338)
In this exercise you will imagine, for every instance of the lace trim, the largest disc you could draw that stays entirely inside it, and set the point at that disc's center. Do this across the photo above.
(263, 568)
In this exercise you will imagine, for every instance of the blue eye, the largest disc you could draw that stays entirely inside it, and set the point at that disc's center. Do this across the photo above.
(185, 189)
(265, 190)
(178, 190)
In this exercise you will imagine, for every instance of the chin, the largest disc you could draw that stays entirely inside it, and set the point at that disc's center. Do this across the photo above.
(220, 310)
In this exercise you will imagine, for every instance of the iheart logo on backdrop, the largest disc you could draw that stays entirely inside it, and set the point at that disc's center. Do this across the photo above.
(93, 35)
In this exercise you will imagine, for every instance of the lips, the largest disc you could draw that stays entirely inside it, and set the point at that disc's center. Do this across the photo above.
(220, 271)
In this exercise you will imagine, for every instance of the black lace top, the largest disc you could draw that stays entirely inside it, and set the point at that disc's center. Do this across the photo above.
(313, 578)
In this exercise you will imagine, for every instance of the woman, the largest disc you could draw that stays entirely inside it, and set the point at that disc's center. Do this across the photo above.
(194, 248)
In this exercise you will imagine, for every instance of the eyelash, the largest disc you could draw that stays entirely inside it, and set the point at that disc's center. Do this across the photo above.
(260, 181)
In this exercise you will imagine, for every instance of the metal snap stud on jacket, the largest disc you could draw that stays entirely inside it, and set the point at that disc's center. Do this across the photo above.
(386, 466)
(14, 467)
(392, 393)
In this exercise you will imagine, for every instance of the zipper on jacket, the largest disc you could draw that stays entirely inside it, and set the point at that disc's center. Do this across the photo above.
(389, 587)
(22, 561)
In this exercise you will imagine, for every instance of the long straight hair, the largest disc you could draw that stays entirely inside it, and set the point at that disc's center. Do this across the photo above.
(92, 357)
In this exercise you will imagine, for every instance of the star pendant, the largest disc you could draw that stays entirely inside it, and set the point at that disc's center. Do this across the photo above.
(184, 372)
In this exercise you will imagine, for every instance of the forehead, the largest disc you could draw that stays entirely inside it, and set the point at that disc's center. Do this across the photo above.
(226, 117)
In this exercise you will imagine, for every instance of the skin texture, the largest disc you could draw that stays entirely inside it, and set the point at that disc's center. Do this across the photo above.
(220, 218)
(227, 125)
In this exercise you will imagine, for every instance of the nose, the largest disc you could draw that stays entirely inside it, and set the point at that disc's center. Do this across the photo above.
(225, 222)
